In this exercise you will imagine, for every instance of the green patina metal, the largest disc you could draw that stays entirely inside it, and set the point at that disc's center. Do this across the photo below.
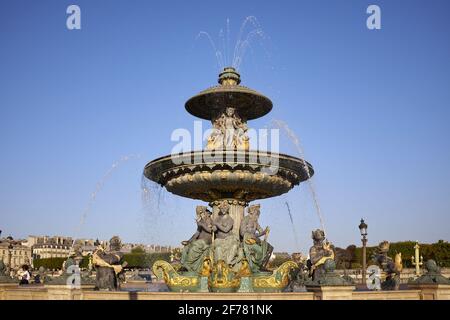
(432, 276)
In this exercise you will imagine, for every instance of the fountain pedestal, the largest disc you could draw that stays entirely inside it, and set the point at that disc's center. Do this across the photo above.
(236, 211)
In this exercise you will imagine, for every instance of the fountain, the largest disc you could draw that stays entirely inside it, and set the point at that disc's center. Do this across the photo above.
(226, 253)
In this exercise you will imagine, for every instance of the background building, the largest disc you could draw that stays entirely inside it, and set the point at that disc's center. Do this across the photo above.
(19, 252)
(14, 254)
(149, 248)
(44, 247)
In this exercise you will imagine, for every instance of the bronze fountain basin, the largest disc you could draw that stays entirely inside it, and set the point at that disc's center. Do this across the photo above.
(243, 175)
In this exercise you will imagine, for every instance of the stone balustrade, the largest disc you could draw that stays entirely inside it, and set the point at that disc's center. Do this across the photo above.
(406, 274)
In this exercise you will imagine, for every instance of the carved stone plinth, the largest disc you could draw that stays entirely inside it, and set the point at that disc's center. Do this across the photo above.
(332, 292)
(66, 292)
(432, 291)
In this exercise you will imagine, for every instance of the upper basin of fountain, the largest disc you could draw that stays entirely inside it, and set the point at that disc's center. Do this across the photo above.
(249, 103)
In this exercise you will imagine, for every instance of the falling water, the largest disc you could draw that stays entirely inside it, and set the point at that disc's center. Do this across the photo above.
(152, 195)
(150, 192)
(292, 136)
(158, 210)
(293, 226)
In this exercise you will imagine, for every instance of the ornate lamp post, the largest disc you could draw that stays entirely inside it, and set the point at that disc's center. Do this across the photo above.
(10, 248)
(417, 260)
(363, 230)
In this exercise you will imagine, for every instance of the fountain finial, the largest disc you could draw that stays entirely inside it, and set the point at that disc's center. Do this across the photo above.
(229, 77)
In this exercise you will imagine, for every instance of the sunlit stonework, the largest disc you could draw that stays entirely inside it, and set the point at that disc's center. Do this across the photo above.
(229, 132)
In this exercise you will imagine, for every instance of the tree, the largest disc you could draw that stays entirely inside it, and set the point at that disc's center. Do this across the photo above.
(49, 263)
(439, 251)
(138, 250)
(142, 260)
(344, 257)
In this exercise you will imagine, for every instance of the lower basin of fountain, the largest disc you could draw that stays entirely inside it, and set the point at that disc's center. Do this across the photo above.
(244, 175)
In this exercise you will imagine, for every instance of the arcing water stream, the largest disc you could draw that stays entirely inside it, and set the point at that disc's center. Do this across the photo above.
(98, 187)
(243, 42)
(295, 140)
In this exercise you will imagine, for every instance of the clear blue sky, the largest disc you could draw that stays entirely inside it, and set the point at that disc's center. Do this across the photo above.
(370, 107)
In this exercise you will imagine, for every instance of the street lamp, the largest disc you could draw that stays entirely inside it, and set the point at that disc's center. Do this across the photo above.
(10, 248)
(363, 230)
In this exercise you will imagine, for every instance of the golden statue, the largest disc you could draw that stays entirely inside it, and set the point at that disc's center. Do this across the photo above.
(229, 132)
(277, 281)
(176, 282)
(223, 278)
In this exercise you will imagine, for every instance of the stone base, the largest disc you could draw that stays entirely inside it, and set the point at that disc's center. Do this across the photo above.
(4, 287)
(92, 295)
(432, 291)
(64, 292)
(331, 292)
(41, 292)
